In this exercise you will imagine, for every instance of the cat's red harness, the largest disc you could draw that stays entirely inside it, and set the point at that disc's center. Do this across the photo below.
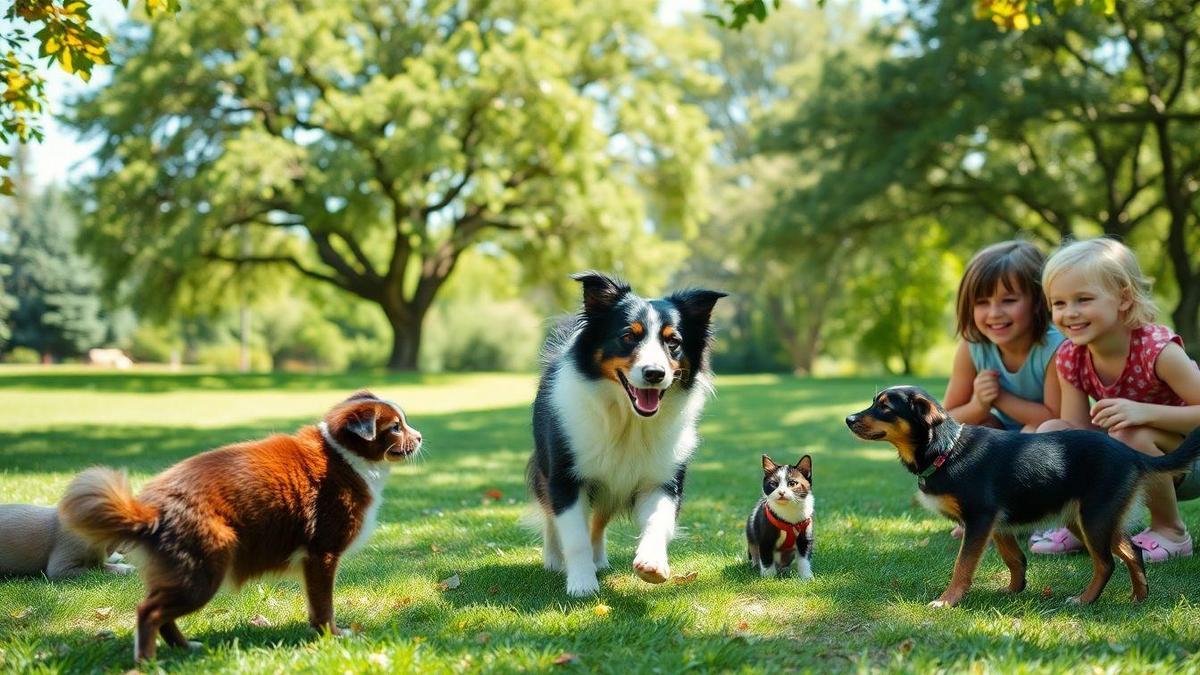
(791, 531)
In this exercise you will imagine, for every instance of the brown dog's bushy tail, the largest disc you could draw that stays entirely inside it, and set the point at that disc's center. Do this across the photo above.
(100, 506)
(1179, 460)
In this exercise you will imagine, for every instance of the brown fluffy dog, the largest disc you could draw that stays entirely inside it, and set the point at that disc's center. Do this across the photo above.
(284, 503)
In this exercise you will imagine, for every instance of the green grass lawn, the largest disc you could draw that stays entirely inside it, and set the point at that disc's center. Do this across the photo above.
(878, 559)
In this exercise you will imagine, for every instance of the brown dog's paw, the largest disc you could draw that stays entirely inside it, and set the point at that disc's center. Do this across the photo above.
(651, 570)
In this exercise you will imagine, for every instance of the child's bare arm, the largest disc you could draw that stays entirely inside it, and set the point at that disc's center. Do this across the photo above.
(960, 400)
(1074, 408)
(1179, 373)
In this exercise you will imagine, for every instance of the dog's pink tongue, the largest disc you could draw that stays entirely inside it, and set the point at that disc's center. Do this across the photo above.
(646, 399)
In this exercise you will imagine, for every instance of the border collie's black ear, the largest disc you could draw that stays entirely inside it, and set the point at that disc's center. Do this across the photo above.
(769, 465)
(600, 291)
(362, 423)
(805, 466)
(696, 303)
(928, 409)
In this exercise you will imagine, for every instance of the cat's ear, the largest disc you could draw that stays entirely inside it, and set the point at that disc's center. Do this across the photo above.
(769, 465)
(805, 466)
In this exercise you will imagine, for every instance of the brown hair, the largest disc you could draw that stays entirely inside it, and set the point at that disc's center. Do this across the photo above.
(1006, 263)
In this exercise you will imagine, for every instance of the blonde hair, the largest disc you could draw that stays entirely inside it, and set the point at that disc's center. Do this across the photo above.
(1111, 264)
(1005, 264)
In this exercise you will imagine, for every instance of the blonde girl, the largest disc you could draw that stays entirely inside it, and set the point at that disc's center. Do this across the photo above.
(1146, 389)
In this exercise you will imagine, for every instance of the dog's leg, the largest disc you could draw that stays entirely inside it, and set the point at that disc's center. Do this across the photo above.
(656, 512)
(164, 604)
(1132, 557)
(1097, 524)
(320, 569)
(766, 571)
(174, 637)
(599, 549)
(572, 527)
(1014, 558)
(976, 532)
(552, 556)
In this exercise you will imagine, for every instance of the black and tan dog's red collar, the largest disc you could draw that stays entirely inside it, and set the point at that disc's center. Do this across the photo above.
(940, 459)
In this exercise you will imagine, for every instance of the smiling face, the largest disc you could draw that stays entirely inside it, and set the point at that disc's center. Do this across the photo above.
(372, 428)
(643, 346)
(1084, 309)
(1005, 316)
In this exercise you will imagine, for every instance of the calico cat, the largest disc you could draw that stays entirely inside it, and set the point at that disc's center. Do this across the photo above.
(779, 529)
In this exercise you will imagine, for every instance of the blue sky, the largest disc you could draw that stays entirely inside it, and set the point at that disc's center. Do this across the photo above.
(64, 155)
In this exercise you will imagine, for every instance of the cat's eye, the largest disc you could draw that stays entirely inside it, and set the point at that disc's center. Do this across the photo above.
(792, 483)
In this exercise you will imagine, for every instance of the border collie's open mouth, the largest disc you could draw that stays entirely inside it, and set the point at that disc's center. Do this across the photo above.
(645, 401)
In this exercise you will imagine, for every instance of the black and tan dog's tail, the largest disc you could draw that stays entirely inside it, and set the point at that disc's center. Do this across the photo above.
(100, 506)
(1177, 461)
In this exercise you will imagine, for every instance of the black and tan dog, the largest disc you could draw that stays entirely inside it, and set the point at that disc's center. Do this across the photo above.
(990, 480)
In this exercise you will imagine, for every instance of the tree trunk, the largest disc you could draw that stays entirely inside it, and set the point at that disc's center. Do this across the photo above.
(1187, 317)
(406, 340)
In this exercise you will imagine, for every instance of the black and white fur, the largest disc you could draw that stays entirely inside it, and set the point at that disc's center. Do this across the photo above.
(787, 492)
(614, 424)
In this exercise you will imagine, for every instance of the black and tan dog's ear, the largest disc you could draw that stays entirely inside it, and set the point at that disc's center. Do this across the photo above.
(928, 409)
(361, 422)
(600, 291)
(805, 466)
(769, 465)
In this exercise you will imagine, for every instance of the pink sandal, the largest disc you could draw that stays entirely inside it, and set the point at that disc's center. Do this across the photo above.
(1055, 542)
(1157, 548)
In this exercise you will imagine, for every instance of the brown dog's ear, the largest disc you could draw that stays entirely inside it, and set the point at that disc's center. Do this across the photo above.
(361, 422)
(929, 410)
(805, 466)
(769, 464)
(361, 394)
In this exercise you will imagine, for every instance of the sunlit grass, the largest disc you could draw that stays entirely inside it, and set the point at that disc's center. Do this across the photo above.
(878, 559)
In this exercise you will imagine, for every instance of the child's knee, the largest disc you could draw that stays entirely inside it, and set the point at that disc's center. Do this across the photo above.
(1138, 438)
(1053, 425)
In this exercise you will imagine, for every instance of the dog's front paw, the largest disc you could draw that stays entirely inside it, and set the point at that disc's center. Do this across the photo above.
(552, 560)
(804, 570)
(601, 561)
(582, 585)
(119, 568)
(652, 568)
(1074, 600)
(939, 604)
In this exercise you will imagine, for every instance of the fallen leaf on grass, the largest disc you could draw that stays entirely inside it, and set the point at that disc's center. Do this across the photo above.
(743, 625)
(1046, 592)
(450, 584)
(565, 658)
(104, 635)
(103, 612)
(403, 602)
(492, 590)
(436, 549)
(601, 610)
(483, 638)
(356, 628)
(684, 578)
(494, 494)
(19, 614)
(906, 646)
(923, 542)
(260, 621)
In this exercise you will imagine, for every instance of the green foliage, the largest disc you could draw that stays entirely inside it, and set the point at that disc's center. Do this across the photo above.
(155, 343)
(369, 145)
(227, 357)
(482, 335)
(23, 355)
(57, 309)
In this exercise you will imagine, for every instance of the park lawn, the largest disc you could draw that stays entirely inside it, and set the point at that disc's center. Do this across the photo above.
(455, 511)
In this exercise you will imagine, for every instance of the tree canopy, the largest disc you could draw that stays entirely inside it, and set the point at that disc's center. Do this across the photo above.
(367, 145)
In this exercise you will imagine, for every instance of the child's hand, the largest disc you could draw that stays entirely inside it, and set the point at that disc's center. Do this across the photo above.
(1115, 414)
(986, 389)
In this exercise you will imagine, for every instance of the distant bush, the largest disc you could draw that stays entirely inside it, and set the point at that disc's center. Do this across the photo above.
(472, 336)
(227, 356)
(154, 344)
(23, 355)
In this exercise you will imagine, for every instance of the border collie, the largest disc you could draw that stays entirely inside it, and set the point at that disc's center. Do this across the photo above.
(614, 424)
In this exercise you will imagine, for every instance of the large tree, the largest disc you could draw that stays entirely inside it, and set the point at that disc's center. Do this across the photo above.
(57, 311)
(368, 144)
(1080, 126)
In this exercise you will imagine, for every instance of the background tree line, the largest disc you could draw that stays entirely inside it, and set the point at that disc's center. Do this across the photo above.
(385, 183)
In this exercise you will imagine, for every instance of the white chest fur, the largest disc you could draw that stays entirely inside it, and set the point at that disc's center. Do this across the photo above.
(375, 475)
(612, 445)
